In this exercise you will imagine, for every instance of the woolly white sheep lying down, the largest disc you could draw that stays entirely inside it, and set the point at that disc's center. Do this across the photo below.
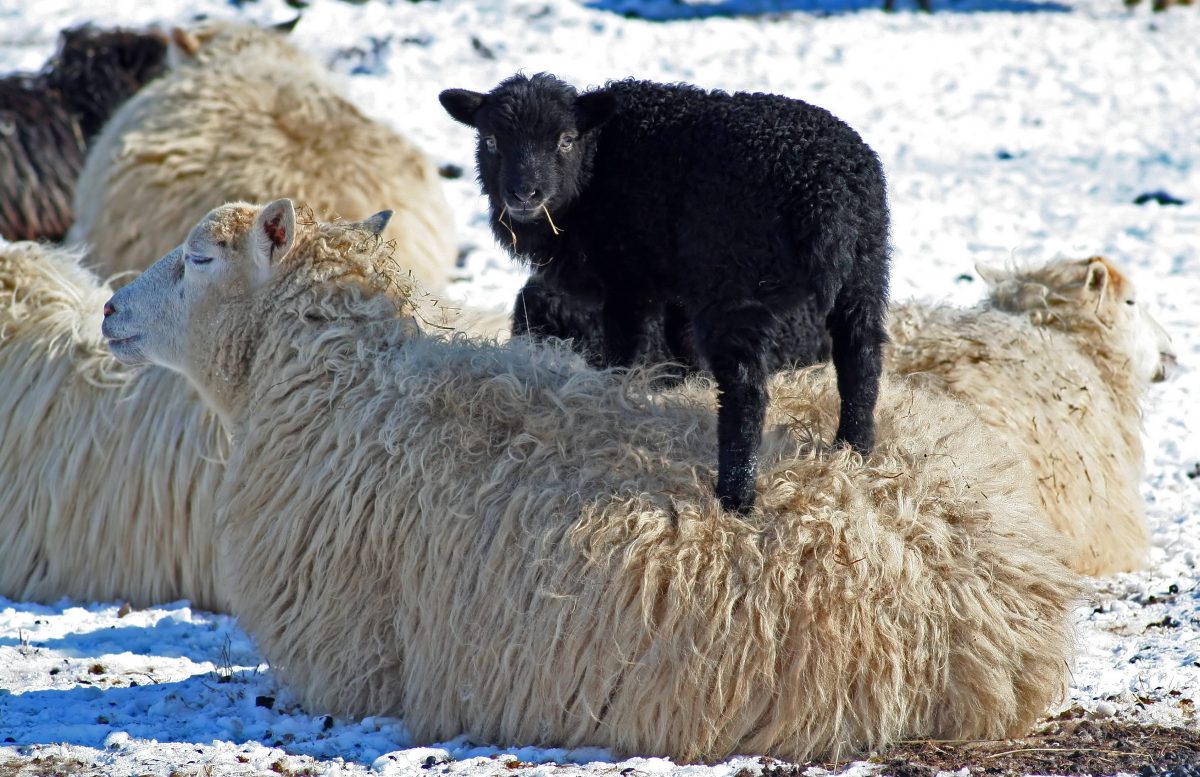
(496, 540)
(1056, 360)
(247, 115)
(107, 476)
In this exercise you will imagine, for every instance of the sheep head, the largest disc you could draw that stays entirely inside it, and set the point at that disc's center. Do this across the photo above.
(536, 141)
(1087, 296)
(223, 41)
(200, 309)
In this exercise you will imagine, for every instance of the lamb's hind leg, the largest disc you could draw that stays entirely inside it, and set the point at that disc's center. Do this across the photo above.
(858, 333)
(733, 343)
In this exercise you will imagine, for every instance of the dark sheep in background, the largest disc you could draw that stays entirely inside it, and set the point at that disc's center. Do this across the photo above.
(47, 120)
(717, 214)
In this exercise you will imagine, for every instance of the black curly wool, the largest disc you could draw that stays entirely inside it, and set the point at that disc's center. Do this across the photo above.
(730, 221)
(541, 312)
(47, 120)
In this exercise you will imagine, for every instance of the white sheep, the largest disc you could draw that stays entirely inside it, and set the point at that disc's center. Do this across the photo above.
(246, 115)
(1056, 359)
(499, 541)
(106, 476)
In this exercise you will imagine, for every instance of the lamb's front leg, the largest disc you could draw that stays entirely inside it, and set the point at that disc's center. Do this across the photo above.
(733, 343)
(624, 321)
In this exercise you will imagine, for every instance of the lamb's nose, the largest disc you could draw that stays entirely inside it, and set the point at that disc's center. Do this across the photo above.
(523, 195)
(109, 309)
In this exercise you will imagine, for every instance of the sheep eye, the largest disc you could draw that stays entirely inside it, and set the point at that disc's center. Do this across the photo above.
(490, 143)
(566, 142)
(198, 260)
(1130, 302)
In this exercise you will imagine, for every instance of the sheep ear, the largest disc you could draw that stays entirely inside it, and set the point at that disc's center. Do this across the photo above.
(1097, 277)
(286, 27)
(989, 275)
(461, 104)
(593, 109)
(375, 224)
(274, 233)
(185, 42)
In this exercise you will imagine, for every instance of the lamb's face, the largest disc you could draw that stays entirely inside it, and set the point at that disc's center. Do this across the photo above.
(533, 141)
(159, 317)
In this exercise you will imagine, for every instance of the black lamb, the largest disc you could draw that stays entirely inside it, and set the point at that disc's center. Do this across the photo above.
(47, 120)
(718, 214)
(542, 311)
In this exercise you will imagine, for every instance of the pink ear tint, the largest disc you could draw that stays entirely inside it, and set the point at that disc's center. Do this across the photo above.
(275, 231)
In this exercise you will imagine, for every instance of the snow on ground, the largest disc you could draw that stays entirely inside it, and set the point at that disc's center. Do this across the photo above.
(1010, 130)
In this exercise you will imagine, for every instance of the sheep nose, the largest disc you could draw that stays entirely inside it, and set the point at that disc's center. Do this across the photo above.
(523, 195)
(109, 309)
(1166, 366)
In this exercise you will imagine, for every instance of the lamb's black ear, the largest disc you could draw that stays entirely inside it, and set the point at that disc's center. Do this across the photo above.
(594, 108)
(286, 27)
(461, 104)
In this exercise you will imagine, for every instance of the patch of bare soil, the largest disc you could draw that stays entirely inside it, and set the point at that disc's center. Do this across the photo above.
(1069, 745)
(46, 766)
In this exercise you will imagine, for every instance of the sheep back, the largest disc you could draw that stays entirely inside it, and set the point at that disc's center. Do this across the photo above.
(39, 162)
(499, 542)
(1042, 390)
(253, 125)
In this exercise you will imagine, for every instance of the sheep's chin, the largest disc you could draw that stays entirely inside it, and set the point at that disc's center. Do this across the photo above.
(128, 350)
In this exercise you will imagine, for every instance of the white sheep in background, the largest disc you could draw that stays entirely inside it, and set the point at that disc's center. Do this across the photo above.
(1056, 359)
(106, 476)
(246, 115)
(499, 541)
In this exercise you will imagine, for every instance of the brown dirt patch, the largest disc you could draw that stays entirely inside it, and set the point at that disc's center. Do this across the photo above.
(1069, 745)
(45, 766)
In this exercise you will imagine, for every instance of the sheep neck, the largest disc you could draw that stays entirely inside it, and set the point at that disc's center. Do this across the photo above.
(221, 364)
(1100, 340)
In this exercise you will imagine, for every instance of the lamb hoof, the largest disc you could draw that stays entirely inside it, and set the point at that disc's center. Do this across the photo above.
(861, 440)
(740, 501)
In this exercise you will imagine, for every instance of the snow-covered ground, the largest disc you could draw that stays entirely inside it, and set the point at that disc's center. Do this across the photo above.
(1010, 130)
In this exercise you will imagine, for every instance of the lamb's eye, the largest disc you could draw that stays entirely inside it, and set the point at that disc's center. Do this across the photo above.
(198, 260)
(566, 141)
(1130, 302)
(490, 143)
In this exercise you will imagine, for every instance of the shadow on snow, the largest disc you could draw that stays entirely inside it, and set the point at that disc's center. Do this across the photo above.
(674, 10)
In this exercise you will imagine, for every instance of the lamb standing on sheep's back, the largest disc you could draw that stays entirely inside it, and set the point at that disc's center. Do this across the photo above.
(499, 541)
(107, 474)
(722, 216)
(1056, 359)
(247, 115)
